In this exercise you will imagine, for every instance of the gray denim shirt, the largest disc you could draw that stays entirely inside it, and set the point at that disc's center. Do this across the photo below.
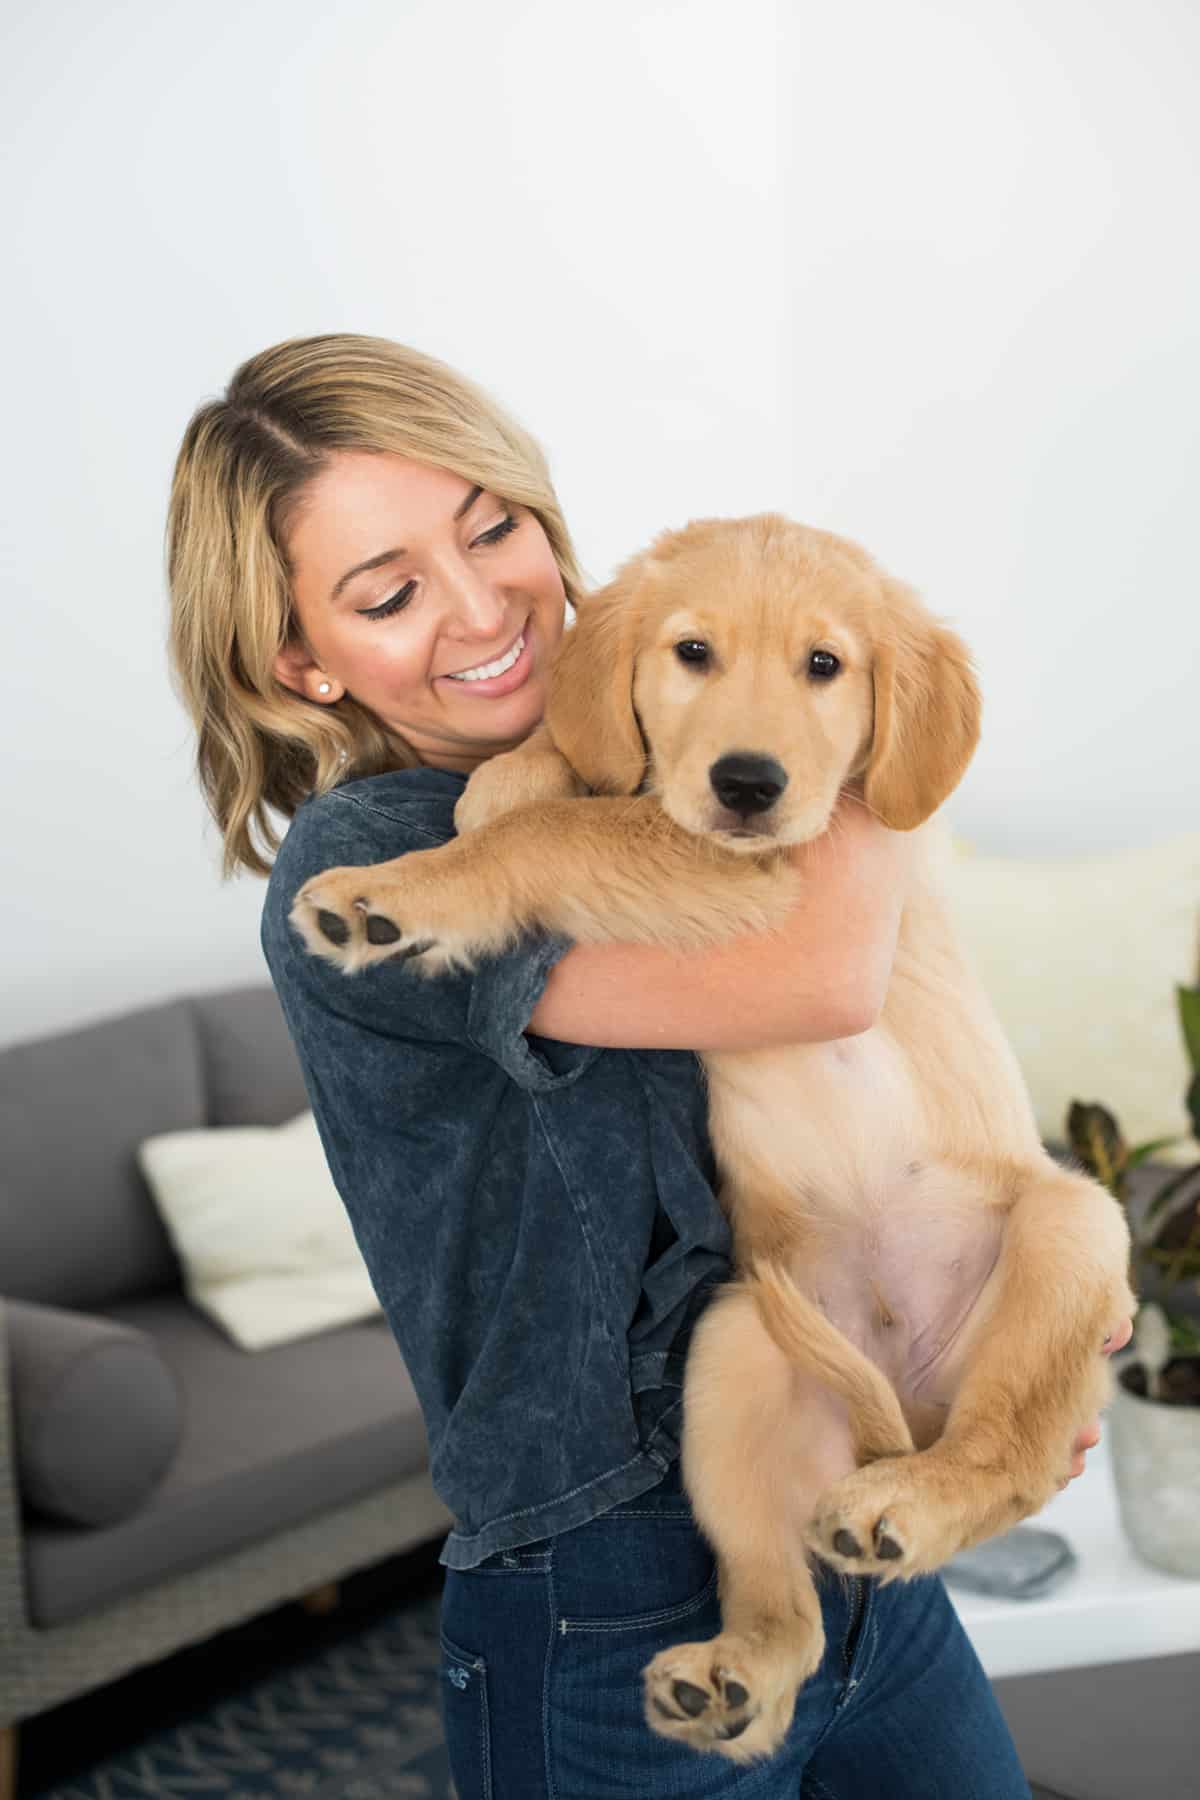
(538, 1218)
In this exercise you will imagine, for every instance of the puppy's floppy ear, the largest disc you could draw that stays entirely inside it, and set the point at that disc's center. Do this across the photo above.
(590, 712)
(927, 712)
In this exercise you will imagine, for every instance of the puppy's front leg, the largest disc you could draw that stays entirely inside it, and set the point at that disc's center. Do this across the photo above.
(598, 870)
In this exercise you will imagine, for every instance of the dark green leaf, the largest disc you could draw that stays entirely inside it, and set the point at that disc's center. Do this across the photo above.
(1185, 1334)
(1142, 1151)
(1177, 1265)
(1189, 1016)
(1095, 1137)
(1181, 1230)
(1170, 1189)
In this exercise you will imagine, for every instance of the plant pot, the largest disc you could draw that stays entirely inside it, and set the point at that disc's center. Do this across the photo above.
(1156, 1464)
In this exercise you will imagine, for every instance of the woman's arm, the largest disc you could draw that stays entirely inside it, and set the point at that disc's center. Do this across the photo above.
(823, 975)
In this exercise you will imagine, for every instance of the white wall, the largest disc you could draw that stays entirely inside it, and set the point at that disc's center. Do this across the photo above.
(924, 274)
(996, 285)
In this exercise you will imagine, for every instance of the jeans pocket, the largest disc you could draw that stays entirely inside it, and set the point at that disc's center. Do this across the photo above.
(466, 1721)
(600, 1744)
(663, 1618)
(629, 1568)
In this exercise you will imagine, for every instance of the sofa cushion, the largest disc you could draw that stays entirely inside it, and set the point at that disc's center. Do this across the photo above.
(96, 1413)
(321, 1422)
(77, 1227)
(266, 1245)
(251, 1073)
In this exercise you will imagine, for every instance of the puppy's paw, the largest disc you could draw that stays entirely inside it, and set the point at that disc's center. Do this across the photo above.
(884, 1520)
(342, 916)
(726, 1695)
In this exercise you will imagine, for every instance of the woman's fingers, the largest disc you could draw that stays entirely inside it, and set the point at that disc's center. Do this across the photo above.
(1089, 1437)
(1087, 1440)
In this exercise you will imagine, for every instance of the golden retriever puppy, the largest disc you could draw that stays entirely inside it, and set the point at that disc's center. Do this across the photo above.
(913, 1337)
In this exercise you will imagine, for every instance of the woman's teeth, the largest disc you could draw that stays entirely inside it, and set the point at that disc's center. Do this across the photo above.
(485, 671)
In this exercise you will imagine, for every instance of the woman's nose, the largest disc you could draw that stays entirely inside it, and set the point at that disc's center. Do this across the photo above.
(473, 602)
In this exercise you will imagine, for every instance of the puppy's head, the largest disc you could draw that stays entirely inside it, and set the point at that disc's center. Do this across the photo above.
(746, 670)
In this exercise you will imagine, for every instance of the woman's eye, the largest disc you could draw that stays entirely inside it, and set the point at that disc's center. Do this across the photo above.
(692, 650)
(387, 607)
(824, 665)
(499, 532)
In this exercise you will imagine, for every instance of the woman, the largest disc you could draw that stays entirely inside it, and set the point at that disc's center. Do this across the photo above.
(369, 572)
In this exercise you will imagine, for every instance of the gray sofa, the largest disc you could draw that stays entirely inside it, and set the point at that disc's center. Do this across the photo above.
(263, 1476)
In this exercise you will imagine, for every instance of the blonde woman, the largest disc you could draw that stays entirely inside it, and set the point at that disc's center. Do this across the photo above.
(369, 573)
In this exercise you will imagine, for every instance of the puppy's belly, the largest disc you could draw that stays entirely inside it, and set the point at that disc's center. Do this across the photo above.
(907, 1287)
(836, 1120)
(897, 1247)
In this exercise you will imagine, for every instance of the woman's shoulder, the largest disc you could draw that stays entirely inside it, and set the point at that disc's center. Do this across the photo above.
(380, 813)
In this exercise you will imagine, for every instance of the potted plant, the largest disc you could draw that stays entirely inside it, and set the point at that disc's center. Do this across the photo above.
(1155, 1416)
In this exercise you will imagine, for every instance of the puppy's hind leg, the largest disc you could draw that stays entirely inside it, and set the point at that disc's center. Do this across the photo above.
(761, 1441)
(1029, 1374)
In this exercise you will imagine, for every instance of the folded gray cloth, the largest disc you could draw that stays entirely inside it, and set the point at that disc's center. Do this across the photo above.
(96, 1413)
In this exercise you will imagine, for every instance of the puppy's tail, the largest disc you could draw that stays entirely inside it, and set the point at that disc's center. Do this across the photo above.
(811, 1343)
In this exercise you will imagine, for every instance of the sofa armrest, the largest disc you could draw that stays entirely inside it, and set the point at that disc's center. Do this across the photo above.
(14, 1617)
(95, 1413)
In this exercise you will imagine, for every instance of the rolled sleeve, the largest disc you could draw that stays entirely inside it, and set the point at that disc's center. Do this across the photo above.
(504, 992)
(486, 1010)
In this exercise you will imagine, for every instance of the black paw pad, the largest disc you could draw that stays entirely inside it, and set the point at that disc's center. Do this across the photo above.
(735, 1693)
(691, 1698)
(885, 1546)
(332, 927)
(846, 1544)
(734, 1730)
(381, 930)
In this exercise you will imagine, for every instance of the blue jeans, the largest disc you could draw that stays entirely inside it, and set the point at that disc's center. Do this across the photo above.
(543, 1650)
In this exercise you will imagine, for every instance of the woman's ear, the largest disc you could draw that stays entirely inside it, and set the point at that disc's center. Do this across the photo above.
(590, 713)
(927, 712)
(295, 668)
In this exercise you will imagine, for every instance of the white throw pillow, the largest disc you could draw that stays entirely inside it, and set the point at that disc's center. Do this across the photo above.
(266, 1247)
(1081, 958)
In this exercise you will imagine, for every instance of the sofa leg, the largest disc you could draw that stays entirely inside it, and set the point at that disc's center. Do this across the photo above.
(322, 1600)
(8, 1762)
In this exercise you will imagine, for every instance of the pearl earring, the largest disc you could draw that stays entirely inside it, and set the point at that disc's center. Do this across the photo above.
(323, 687)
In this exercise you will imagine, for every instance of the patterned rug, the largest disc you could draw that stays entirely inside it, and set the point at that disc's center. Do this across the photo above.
(357, 1721)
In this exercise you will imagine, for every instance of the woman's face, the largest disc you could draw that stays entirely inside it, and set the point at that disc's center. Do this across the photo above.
(435, 605)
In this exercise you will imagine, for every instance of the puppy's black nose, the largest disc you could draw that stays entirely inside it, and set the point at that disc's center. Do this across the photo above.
(746, 783)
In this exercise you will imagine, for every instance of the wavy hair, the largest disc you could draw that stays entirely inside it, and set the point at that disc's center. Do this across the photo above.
(244, 463)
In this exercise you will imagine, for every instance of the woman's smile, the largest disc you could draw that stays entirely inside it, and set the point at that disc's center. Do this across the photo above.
(501, 674)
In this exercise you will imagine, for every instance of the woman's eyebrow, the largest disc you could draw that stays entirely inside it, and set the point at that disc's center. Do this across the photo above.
(387, 556)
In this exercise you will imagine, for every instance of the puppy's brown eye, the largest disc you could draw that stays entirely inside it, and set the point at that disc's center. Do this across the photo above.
(692, 650)
(824, 665)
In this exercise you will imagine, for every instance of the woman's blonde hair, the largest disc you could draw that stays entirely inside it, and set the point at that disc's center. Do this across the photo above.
(242, 468)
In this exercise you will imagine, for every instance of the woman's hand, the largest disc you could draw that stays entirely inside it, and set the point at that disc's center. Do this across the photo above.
(1089, 1437)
